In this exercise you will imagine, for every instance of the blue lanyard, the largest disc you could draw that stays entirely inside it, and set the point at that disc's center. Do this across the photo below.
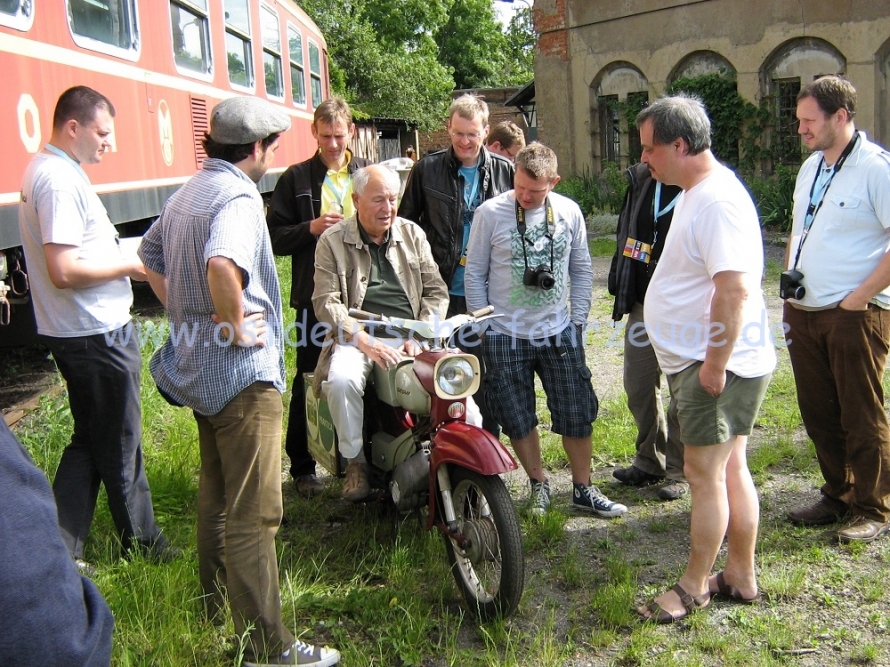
(339, 195)
(62, 154)
(820, 186)
(656, 213)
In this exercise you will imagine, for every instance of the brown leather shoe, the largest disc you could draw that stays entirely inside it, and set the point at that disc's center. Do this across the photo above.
(862, 529)
(356, 487)
(818, 514)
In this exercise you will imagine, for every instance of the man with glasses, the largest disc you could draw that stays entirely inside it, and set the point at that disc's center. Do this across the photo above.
(442, 193)
(506, 140)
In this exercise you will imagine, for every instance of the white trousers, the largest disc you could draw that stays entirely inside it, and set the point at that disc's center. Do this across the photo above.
(344, 390)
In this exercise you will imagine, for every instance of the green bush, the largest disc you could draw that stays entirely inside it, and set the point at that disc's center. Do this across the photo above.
(774, 196)
(596, 193)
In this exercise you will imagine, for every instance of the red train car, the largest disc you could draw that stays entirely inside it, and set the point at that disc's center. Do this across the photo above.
(164, 64)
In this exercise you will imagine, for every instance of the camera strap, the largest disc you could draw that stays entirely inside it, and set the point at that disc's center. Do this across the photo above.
(818, 191)
(520, 227)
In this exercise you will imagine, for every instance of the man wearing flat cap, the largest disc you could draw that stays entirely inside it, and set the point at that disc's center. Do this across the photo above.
(209, 260)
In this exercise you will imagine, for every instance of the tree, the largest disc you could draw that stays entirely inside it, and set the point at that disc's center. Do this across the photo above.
(402, 58)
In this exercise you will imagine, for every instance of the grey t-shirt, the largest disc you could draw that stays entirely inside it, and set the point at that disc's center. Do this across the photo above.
(60, 206)
(495, 266)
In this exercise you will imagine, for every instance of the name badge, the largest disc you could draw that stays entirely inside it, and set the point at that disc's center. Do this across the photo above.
(642, 252)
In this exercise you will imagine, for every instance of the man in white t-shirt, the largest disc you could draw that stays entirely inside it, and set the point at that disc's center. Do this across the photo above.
(706, 319)
(80, 281)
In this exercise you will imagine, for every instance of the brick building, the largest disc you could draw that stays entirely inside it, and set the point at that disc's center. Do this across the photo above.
(497, 112)
(595, 52)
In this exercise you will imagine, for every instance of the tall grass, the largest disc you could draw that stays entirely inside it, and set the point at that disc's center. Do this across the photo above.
(376, 585)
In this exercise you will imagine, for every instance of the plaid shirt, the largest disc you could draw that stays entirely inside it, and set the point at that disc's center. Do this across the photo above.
(217, 213)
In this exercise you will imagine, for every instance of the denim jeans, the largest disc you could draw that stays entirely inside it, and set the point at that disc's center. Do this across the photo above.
(838, 357)
(106, 446)
(239, 511)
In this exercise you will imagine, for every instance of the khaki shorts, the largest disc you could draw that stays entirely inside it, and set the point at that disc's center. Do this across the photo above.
(706, 420)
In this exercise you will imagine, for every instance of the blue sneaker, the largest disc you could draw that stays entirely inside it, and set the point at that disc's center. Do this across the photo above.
(590, 499)
(301, 653)
(539, 498)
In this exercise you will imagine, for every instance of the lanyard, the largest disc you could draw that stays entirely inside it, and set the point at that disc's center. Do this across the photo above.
(520, 226)
(62, 154)
(818, 190)
(339, 195)
(656, 214)
(471, 193)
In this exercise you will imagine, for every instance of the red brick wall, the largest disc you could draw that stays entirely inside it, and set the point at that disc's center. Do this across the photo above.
(497, 112)
(554, 38)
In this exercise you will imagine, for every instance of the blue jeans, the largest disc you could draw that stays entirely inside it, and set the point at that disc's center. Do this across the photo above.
(106, 446)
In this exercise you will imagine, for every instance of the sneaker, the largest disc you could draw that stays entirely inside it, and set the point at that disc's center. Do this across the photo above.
(84, 568)
(540, 497)
(590, 498)
(633, 476)
(308, 486)
(301, 654)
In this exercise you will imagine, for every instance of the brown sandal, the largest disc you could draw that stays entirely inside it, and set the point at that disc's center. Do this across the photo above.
(662, 617)
(728, 591)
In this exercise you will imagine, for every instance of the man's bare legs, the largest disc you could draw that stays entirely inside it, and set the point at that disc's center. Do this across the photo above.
(578, 451)
(723, 497)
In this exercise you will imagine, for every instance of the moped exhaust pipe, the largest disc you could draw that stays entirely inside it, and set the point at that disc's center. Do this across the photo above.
(410, 481)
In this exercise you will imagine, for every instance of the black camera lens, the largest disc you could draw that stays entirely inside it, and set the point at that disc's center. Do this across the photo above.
(789, 285)
(546, 281)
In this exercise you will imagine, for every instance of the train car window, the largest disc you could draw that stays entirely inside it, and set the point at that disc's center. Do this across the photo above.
(315, 73)
(191, 36)
(99, 24)
(272, 72)
(297, 77)
(238, 51)
(18, 14)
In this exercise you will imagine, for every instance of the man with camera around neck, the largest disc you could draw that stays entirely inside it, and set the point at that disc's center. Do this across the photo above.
(836, 310)
(527, 256)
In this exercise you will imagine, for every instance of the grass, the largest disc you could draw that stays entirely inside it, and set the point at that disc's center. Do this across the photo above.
(377, 585)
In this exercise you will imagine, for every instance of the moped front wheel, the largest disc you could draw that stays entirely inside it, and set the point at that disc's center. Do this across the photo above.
(489, 567)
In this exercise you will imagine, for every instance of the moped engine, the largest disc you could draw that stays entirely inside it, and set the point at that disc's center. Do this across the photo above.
(410, 481)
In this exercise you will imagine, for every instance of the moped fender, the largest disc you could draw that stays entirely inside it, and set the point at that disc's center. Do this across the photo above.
(467, 446)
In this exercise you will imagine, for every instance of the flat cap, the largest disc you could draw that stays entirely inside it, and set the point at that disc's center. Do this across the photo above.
(245, 120)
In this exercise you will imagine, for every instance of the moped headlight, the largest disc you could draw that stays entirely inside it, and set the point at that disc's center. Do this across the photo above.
(455, 376)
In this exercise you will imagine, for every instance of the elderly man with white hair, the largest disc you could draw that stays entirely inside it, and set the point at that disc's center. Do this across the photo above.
(382, 264)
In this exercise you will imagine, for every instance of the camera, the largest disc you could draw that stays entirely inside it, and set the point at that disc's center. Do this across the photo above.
(541, 276)
(789, 285)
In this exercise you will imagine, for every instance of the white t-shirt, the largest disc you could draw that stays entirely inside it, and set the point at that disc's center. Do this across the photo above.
(715, 228)
(60, 206)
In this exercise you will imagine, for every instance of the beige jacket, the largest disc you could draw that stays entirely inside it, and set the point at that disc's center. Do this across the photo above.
(342, 267)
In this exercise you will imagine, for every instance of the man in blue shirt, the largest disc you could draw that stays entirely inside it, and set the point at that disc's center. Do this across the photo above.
(209, 260)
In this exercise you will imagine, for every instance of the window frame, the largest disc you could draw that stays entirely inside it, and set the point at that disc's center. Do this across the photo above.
(277, 56)
(301, 66)
(315, 75)
(247, 40)
(90, 43)
(782, 138)
(19, 20)
(207, 74)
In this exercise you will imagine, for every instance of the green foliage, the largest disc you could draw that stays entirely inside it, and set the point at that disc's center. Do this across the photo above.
(728, 111)
(774, 196)
(402, 58)
(596, 193)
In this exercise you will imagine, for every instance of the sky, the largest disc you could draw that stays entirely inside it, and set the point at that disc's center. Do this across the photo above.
(504, 10)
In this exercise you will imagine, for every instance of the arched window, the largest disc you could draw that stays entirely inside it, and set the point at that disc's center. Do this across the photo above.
(617, 93)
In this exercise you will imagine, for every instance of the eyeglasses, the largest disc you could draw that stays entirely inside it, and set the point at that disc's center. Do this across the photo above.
(460, 136)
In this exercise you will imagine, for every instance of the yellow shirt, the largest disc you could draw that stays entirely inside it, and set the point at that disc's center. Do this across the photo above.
(336, 190)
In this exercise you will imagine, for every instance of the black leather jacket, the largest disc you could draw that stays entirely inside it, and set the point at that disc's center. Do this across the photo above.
(295, 202)
(433, 199)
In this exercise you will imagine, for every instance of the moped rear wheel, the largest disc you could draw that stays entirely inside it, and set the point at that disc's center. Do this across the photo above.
(490, 569)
